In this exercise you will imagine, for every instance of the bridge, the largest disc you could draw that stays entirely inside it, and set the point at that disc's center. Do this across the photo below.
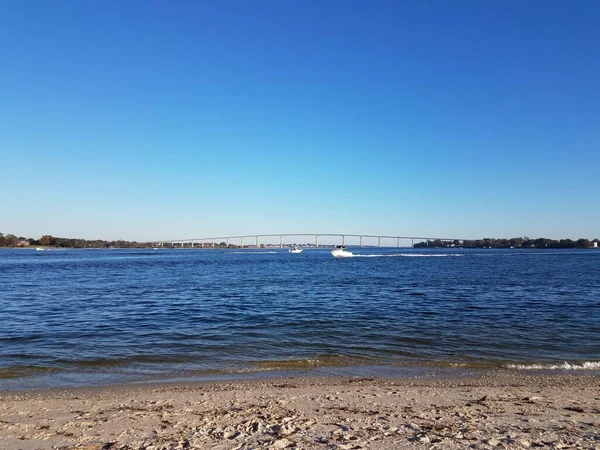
(254, 240)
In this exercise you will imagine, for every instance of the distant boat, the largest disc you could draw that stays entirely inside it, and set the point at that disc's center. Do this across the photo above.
(341, 252)
(295, 250)
(40, 249)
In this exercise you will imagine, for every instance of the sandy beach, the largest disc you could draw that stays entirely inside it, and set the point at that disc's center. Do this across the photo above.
(496, 410)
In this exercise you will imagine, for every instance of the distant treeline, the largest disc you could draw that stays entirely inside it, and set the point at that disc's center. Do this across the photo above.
(519, 242)
(10, 240)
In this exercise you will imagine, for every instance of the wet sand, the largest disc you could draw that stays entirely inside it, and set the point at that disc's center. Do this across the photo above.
(497, 410)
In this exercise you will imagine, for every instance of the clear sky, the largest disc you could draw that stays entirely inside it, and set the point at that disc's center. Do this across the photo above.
(159, 120)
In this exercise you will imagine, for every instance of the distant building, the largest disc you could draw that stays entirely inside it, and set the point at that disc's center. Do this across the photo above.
(595, 244)
(23, 243)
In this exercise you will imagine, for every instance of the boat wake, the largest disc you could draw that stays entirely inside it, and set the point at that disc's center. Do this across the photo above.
(405, 255)
(252, 252)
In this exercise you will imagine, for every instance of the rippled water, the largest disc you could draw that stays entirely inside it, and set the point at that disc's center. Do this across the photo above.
(71, 317)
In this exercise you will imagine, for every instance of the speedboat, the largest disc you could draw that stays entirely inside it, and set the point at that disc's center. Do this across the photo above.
(295, 250)
(40, 249)
(341, 252)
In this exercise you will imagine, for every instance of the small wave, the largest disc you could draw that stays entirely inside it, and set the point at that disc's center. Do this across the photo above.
(308, 363)
(588, 365)
(21, 371)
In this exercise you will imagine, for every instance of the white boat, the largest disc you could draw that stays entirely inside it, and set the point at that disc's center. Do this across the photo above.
(341, 252)
(295, 250)
(40, 249)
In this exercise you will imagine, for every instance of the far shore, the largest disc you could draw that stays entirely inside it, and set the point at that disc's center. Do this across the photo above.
(497, 410)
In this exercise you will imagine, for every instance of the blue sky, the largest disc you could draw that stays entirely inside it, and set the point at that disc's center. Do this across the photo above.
(159, 120)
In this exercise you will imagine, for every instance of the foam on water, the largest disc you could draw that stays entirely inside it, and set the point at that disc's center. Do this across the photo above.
(434, 255)
(588, 365)
(411, 255)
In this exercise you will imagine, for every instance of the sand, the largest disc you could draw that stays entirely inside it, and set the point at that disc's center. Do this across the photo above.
(496, 410)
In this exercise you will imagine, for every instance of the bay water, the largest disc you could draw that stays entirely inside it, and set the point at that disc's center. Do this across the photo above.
(86, 317)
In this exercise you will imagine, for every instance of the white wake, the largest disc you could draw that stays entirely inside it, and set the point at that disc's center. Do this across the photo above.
(405, 255)
(253, 252)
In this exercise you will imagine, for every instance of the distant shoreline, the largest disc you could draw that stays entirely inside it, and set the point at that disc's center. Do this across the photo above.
(321, 247)
(48, 241)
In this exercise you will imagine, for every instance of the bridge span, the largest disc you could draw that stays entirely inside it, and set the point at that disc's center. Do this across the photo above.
(254, 240)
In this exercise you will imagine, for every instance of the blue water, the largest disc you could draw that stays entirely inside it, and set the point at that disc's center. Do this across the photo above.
(77, 317)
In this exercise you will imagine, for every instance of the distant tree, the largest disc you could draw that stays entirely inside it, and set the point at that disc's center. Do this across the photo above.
(563, 243)
(583, 243)
(502, 243)
(46, 239)
(516, 242)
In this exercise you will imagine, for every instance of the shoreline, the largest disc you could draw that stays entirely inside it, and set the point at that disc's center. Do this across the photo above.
(57, 378)
(493, 409)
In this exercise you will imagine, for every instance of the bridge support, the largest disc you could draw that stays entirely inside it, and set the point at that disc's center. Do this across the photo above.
(213, 243)
(361, 242)
(316, 241)
(256, 245)
(379, 242)
(280, 241)
(227, 242)
(398, 242)
(242, 242)
(343, 239)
